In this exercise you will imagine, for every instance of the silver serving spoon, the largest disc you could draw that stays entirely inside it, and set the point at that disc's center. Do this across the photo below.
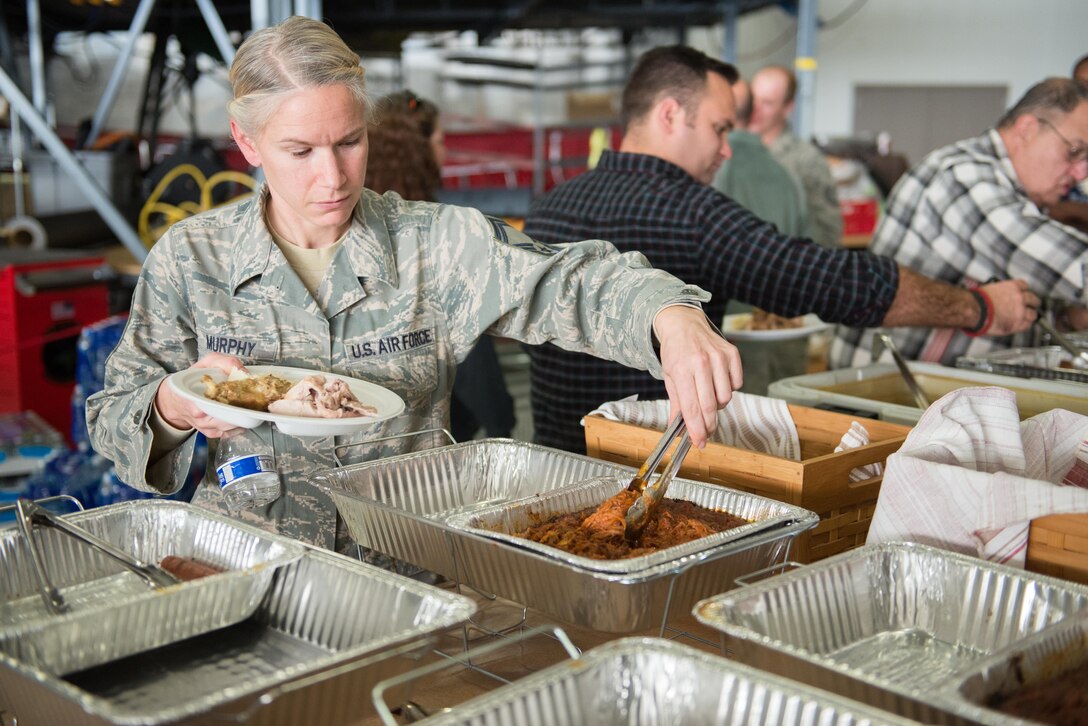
(883, 340)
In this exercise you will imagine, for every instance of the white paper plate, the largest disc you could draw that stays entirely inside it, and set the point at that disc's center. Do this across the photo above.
(730, 324)
(188, 384)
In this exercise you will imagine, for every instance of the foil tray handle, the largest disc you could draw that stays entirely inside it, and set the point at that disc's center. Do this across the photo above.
(31, 513)
(54, 601)
(467, 659)
(370, 442)
(764, 572)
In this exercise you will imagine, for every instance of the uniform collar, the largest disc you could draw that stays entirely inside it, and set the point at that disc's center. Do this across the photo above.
(367, 252)
(369, 245)
(785, 141)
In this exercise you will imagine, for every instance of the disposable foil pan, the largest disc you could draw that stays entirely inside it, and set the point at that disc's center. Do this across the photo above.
(889, 624)
(655, 681)
(620, 602)
(1042, 362)
(323, 636)
(501, 521)
(400, 505)
(113, 612)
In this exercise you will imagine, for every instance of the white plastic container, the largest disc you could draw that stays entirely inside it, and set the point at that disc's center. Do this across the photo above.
(878, 389)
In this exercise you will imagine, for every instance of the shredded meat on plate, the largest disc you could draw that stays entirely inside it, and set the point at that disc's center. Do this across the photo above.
(316, 396)
(321, 397)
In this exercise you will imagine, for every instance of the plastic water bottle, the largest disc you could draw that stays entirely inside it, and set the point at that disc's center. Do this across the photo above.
(247, 473)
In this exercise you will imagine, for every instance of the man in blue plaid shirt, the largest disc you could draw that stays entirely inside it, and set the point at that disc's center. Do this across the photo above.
(653, 197)
(976, 211)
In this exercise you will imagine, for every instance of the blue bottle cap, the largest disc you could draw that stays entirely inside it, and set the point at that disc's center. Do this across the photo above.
(32, 451)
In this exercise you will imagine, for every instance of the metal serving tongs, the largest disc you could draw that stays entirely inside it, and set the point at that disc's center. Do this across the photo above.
(1060, 339)
(638, 514)
(885, 340)
(29, 513)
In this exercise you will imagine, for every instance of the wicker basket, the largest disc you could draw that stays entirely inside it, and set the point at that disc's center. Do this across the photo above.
(820, 482)
(1058, 546)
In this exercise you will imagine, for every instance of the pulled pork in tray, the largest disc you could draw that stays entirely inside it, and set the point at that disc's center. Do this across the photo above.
(598, 533)
(186, 568)
(1060, 700)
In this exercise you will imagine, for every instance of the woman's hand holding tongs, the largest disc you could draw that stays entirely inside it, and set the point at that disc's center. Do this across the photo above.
(702, 369)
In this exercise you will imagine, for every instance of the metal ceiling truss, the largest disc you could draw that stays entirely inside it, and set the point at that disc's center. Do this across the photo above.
(363, 17)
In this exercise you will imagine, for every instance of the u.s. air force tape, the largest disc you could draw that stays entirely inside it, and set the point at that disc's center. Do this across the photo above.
(503, 233)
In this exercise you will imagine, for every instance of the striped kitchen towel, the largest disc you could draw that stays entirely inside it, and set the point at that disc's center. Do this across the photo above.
(857, 435)
(1078, 473)
(971, 476)
(756, 423)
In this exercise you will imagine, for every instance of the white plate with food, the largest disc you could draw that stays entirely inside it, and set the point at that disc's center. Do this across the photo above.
(333, 404)
(765, 326)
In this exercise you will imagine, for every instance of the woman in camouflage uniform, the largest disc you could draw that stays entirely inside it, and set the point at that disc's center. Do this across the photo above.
(315, 271)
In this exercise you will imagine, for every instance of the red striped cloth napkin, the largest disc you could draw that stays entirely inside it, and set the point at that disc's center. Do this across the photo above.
(756, 423)
(1078, 474)
(971, 476)
(857, 435)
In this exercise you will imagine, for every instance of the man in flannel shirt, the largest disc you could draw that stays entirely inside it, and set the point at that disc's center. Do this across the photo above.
(976, 211)
(653, 196)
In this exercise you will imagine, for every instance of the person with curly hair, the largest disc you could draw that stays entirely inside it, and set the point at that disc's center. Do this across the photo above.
(404, 152)
(407, 148)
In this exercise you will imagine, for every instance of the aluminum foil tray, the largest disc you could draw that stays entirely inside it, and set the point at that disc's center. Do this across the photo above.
(889, 624)
(654, 681)
(113, 613)
(502, 521)
(325, 634)
(621, 602)
(1043, 362)
(399, 505)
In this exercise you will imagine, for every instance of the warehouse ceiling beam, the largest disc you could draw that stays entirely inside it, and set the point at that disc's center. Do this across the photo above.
(260, 14)
(491, 17)
(25, 110)
(120, 67)
(218, 30)
(264, 13)
(729, 31)
(37, 54)
(310, 8)
(804, 66)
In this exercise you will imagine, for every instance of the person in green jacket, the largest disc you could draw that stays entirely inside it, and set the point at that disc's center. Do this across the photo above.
(752, 177)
